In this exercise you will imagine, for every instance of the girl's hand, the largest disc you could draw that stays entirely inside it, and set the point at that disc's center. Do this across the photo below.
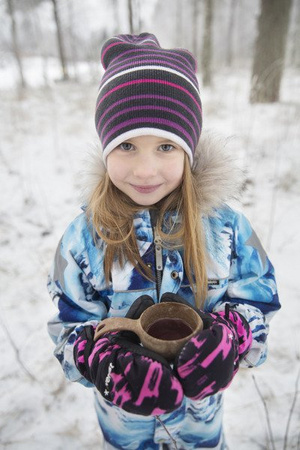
(130, 376)
(208, 362)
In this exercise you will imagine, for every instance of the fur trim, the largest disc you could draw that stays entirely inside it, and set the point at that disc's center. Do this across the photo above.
(219, 179)
(91, 174)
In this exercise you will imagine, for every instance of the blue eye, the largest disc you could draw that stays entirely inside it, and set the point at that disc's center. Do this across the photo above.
(126, 146)
(166, 147)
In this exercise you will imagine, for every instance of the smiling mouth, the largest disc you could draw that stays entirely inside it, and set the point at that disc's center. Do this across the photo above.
(145, 189)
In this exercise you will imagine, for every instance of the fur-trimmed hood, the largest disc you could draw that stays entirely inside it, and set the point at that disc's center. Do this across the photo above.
(219, 179)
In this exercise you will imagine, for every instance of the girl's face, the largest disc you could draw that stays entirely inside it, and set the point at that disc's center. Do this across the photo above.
(146, 168)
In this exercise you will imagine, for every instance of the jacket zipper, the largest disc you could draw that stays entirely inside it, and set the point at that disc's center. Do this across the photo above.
(158, 261)
(158, 253)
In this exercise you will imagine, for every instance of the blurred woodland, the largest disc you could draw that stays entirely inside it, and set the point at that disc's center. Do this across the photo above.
(260, 35)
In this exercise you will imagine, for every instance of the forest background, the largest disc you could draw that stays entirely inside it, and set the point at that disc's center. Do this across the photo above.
(249, 61)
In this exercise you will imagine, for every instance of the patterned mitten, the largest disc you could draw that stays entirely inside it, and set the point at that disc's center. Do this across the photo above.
(132, 377)
(208, 361)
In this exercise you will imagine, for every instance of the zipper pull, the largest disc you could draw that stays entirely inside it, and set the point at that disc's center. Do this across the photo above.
(158, 251)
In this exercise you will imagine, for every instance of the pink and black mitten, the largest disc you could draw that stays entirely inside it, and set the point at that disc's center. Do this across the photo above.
(130, 376)
(208, 362)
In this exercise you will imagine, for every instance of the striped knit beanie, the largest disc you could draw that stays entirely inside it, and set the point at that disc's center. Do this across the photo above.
(147, 90)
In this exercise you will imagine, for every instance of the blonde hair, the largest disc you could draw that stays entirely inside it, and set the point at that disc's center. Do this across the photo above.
(112, 211)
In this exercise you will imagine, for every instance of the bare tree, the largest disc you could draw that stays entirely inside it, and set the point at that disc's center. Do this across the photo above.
(115, 7)
(60, 43)
(72, 38)
(207, 43)
(178, 23)
(270, 50)
(15, 43)
(295, 36)
(195, 27)
(229, 46)
(130, 15)
(138, 26)
(134, 16)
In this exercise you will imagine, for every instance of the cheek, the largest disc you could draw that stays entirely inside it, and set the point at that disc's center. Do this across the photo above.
(115, 170)
(174, 172)
(113, 173)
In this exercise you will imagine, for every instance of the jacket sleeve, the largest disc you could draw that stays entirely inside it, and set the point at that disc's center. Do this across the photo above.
(252, 289)
(72, 286)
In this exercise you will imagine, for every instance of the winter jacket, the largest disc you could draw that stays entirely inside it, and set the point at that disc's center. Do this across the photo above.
(239, 272)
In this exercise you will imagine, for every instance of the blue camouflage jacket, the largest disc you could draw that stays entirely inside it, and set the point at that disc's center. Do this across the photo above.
(240, 272)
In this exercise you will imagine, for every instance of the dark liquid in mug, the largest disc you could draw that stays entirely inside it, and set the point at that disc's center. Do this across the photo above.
(169, 329)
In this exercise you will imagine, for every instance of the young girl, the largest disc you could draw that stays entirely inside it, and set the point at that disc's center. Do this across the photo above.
(156, 228)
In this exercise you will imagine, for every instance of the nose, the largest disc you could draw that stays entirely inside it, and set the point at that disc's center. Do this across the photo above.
(145, 166)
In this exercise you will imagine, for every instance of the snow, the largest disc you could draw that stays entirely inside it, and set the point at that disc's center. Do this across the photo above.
(46, 133)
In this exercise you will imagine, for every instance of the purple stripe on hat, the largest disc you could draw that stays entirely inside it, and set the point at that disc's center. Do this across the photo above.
(143, 54)
(152, 44)
(150, 80)
(147, 96)
(156, 50)
(148, 107)
(150, 120)
(164, 64)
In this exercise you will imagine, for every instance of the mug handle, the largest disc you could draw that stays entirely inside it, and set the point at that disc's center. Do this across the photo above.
(117, 324)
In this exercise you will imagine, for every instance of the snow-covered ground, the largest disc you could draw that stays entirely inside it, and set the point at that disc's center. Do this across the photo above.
(45, 136)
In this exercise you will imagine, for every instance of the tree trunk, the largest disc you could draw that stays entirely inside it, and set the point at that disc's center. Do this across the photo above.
(207, 44)
(16, 48)
(229, 46)
(195, 32)
(295, 44)
(130, 16)
(270, 49)
(115, 8)
(72, 39)
(178, 23)
(60, 41)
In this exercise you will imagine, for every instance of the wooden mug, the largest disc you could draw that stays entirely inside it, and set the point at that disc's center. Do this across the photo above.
(163, 327)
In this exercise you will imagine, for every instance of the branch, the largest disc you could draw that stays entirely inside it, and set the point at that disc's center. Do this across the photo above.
(291, 413)
(17, 352)
(267, 414)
